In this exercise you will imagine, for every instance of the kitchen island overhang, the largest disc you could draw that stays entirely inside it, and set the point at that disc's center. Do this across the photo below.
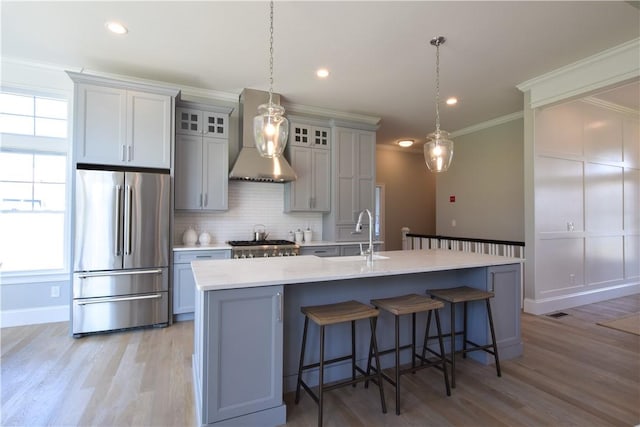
(249, 310)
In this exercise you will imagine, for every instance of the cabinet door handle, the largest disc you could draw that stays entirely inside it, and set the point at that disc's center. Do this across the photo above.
(206, 200)
(203, 256)
(200, 199)
(122, 155)
(279, 296)
(493, 279)
(129, 153)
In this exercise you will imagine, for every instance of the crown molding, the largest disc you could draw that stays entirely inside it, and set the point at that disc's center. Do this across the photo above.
(606, 68)
(186, 91)
(610, 106)
(488, 124)
(340, 116)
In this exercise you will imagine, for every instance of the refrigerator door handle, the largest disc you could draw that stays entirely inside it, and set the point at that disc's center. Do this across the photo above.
(117, 299)
(128, 200)
(118, 273)
(118, 219)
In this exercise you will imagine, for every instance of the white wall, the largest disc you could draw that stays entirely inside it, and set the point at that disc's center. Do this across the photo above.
(587, 202)
(486, 180)
(581, 168)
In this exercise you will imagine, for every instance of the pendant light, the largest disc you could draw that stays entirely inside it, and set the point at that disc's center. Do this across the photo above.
(438, 150)
(270, 127)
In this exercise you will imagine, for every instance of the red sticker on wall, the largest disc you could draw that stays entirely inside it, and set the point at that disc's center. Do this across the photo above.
(452, 199)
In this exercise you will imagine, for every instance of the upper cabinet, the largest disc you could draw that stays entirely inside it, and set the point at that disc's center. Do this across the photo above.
(190, 121)
(309, 151)
(122, 123)
(353, 182)
(202, 157)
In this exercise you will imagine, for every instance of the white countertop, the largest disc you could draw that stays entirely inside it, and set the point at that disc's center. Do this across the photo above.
(223, 245)
(213, 275)
(210, 247)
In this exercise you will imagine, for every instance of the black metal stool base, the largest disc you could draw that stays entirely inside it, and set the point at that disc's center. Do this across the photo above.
(491, 348)
(322, 388)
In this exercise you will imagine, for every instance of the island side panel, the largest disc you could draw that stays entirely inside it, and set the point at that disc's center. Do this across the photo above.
(506, 309)
(239, 354)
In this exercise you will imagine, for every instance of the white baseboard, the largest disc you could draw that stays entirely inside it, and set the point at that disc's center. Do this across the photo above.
(550, 305)
(33, 316)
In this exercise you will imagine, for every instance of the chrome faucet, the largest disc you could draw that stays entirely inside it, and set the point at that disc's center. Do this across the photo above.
(368, 252)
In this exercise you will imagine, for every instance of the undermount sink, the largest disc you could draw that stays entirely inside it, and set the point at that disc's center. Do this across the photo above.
(355, 258)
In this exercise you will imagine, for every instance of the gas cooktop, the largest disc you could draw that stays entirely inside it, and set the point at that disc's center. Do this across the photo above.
(260, 242)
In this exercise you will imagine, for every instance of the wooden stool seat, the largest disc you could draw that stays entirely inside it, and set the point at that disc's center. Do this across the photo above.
(460, 294)
(330, 314)
(403, 305)
(407, 304)
(465, 295)
(347, 311)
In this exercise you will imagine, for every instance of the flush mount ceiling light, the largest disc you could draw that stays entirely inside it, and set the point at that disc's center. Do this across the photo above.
(270, 127)
(405, 143)
(322, 73)
(438, 150)
(452, 101)
(116, 27)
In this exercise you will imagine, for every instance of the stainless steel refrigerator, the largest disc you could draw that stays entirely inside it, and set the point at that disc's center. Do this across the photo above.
(121, 250)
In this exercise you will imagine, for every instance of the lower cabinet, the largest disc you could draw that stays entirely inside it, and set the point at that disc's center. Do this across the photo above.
(239, 355)
(336, 250)
(349, 250)
(504, 281)
(184, 285)
(321, 251)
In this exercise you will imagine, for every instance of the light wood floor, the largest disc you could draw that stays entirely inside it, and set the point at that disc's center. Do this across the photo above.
(573, 372)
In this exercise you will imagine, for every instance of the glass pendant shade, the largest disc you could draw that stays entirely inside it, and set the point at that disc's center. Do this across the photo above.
(270, 130)
(438, 151)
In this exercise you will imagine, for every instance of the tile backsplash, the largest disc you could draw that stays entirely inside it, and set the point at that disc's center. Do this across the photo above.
(250, 203)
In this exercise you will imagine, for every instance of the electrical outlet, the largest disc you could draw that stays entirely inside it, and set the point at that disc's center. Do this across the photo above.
(453, 222)
(55, 292)
(572, 279)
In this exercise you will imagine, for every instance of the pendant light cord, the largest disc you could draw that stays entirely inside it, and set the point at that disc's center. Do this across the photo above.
(271, 54)
(437, 88)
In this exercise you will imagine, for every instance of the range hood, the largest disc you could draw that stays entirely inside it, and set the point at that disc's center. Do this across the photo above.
(250, 166)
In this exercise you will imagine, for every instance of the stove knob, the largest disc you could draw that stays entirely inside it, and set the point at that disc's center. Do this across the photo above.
(243, 255)
(280, 254)
(266, 255)
(236, 256)
(251, 255)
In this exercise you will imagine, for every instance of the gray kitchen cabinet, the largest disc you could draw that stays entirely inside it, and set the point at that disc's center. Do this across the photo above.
(321, 251)
(121, 123)
(353, 183)
(349, 250)
(239, 356)
(193, 121)
(309, 152)
(504, 281)
(202, 160)
(184, 286)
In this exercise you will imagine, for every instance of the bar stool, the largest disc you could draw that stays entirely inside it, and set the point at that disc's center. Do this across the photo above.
(465, 295)
(330, 314)
(402, 305)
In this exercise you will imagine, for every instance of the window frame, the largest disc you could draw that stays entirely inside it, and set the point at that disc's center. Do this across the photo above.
(44, 145)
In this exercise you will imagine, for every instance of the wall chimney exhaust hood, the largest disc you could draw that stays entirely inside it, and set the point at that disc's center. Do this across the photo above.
(250, 166)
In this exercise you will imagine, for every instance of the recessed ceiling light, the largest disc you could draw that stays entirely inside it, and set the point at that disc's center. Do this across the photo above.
(323, 73)
(405, 143)
(452, 101)
(116, 27)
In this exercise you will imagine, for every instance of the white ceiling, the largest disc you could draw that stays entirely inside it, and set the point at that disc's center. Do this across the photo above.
(378, 52)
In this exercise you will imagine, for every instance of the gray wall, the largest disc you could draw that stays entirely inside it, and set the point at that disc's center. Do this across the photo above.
(486, 178)
(409, 194)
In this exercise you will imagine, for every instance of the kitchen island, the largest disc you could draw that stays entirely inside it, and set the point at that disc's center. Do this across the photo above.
(248, 323)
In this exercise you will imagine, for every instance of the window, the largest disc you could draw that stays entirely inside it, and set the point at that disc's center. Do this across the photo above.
(33, 183)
